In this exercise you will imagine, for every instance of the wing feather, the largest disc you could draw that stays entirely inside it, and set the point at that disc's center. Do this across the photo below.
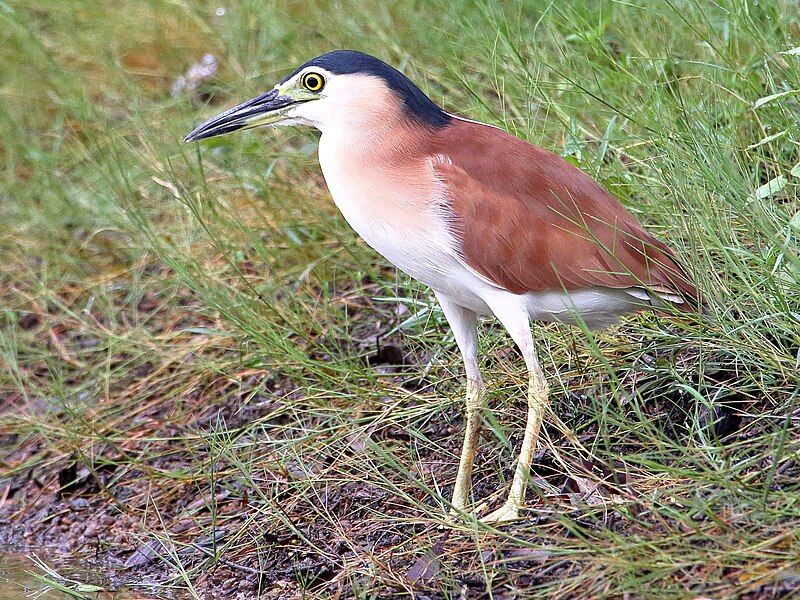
(529, 221)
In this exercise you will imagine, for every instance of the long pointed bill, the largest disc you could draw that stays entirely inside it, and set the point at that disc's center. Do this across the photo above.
(263, 110)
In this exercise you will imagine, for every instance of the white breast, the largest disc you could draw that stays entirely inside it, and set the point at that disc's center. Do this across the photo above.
(399, 213)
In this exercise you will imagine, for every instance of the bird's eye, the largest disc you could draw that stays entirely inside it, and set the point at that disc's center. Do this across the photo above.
(313, 82)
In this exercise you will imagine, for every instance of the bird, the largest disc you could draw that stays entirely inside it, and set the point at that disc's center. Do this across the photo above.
(492, 224)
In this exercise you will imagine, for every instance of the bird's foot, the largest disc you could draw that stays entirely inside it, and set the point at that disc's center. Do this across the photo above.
(458, 510)
(506, 513)
(454, 518)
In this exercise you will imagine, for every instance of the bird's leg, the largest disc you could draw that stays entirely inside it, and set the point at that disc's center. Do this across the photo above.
(518, 326)
(471, 434)
(464, 325)
(537, 404)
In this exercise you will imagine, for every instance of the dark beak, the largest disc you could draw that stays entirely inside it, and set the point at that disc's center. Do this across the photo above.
(263, 110)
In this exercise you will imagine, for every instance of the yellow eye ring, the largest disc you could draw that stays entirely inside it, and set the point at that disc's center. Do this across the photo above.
(313, 82)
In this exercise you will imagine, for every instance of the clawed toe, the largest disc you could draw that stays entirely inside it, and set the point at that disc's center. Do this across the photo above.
(505, 514)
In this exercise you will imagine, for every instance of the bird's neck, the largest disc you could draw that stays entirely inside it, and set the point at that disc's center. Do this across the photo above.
(380, 144)
(382, 169)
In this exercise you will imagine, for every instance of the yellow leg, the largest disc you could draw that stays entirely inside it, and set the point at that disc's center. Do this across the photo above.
(537, 404)
(464, 324)
(473, 430)
(514, 316)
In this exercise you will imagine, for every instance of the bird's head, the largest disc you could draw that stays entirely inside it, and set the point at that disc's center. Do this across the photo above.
(339, 89)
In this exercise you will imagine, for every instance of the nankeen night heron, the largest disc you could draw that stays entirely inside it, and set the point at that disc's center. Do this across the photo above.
(494, 225)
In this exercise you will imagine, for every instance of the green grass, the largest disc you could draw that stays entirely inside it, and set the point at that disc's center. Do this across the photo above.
(191, 325)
